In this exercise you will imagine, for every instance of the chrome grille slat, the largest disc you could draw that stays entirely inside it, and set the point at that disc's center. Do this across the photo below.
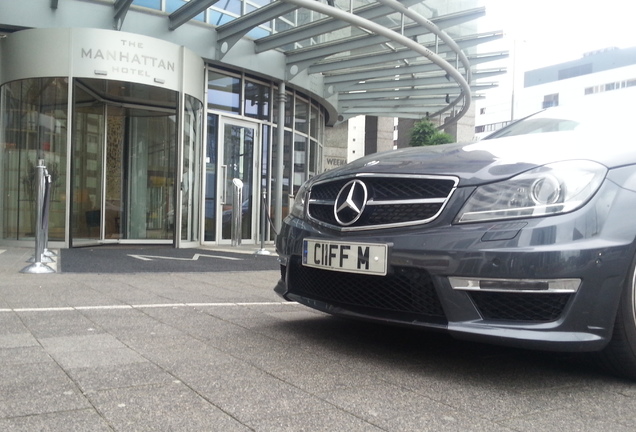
(413, 201)
(392, 200)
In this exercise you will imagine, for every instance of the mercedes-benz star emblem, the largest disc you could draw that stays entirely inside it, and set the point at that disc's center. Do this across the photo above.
(350, 202)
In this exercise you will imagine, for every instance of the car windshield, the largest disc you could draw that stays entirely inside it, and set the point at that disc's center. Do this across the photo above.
(597, 114)
(535, 124)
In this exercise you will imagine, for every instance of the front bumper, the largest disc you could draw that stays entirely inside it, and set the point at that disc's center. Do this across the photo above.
(418, 292)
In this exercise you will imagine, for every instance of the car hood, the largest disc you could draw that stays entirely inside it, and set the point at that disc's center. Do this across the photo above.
(490, 160)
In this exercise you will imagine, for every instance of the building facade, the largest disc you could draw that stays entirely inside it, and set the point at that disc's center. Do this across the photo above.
(607, 70)
(151, 116)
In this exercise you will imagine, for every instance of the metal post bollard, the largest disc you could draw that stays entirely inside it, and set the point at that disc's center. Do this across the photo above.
(262, 250)
(292, 199)
(237, 212)
(46, 256)
(38, 266)
(45, 218)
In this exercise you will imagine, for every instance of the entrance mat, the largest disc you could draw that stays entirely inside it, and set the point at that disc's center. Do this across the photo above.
(153, 259)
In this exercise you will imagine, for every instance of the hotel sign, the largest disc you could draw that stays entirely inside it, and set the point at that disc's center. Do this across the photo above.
(102, 54)
(126, 57)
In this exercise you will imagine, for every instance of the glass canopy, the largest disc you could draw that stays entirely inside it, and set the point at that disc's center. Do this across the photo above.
(396, 58)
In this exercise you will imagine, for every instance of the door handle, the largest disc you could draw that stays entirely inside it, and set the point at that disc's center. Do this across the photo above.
(224, 183)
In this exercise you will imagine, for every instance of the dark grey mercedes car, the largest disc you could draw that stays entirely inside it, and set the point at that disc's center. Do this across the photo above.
(525, 238)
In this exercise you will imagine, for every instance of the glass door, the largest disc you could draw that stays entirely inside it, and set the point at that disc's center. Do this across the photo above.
(113, 213)
(123, 176)
(140, 175)
(238, 166)
(124, 166)
(89, 133)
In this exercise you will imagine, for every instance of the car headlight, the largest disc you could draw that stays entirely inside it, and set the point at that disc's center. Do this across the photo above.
(298, 209)
(550, 189)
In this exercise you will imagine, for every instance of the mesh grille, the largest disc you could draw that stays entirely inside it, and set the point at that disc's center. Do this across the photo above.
(409, 188)
(389, 188)
(327, 191)
(520, 306)
(384, 200)
(409, 291)
(384, 215)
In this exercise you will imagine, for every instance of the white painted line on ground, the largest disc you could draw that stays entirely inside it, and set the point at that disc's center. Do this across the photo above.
(143, 306)
(195, 257)
(57, 309)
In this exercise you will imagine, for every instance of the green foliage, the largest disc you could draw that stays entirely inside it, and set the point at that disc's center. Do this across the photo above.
(425, 133)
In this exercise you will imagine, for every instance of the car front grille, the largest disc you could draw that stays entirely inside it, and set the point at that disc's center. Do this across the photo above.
(537, 307)
(391, 201)
(405, 295)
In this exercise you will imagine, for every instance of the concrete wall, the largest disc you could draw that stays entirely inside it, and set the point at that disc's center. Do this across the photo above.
(378, 134)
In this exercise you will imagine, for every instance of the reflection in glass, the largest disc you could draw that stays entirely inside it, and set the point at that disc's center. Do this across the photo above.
(300, 161)
(190, 182)
(300, 116)
(173, 5)
(224, 92)
(153, 4)
(33, 127)
(210, 178)
(313, 122)
(124, 165)
(238, 158)
(257, 100)
(287, 171)
(266, 175)
(149, 197)
(88, 138)
(302, 154)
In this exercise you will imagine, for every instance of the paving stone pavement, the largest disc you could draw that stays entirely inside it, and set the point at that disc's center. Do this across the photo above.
(219, 351)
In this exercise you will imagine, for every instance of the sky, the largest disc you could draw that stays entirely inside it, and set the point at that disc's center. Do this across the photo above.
(545, 32)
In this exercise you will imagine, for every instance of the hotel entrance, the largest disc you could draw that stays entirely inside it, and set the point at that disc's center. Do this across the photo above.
(117, 120)
(123, 163)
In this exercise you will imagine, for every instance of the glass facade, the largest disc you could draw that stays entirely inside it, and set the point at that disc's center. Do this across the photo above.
(223, 12)
(32, 127)
(224, 92)
(241, 141)
(124, 161)
(146, 159)
(125, 149)
(191, 169)
(124, 183)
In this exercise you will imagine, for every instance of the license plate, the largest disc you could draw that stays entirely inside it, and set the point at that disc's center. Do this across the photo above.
(367, 258)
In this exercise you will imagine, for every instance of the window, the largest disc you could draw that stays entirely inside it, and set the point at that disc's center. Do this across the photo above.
(33, 128)
(153, 4)
(191, 183)
(575, 71)
(304, 128)
(257, 100)
(300, 116)
(173, 5)
(224, 92)
(300, 161)
(551, 100)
